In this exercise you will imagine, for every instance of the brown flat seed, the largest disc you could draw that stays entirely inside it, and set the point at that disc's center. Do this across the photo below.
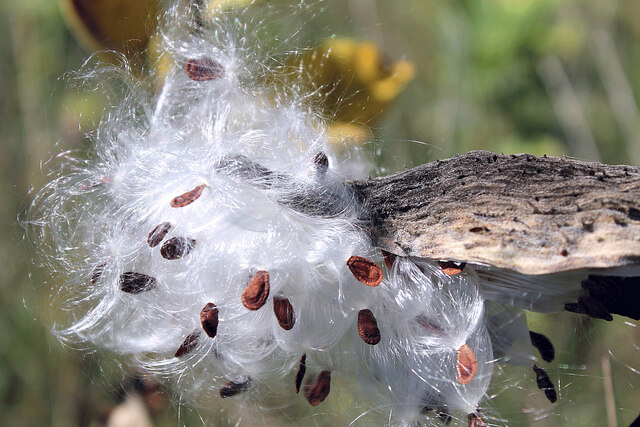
(320, 390)
(189, 343)
(545, 384)
(476, 421)
(451, 268)
(231, 388)
(427, 324)
(158, 234)
(467, 364)
(177, 247)
(97, 271)
(389, 259)
(302, 369)
(322, 162)
(366, 271)
(368, 327)
(209, 319)
(203, 69)
(135, 283)
(256, 293)
(284, 313)
(188, 197)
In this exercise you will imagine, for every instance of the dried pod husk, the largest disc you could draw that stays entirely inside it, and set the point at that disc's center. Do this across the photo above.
(189, 343)
(256, 293)
(135, 283)
(158, 234)
(368, 327)
(467, 365)
(188, 197)
(319, 391)
(365, 270)
(209, 319)
(177, 247)
(284, 313)
(203, 69)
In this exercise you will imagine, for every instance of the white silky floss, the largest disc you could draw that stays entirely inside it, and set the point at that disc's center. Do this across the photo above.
(192, 194)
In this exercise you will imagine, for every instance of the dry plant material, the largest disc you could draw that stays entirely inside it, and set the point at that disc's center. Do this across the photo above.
(203, 69)
(188, 197)
(302, 369)
(320, 390)
(135, 283)
(97, 271)
(284, 313)
(389, 259)
(467, 364)
(209, 319)
(431, 211)
(544, 346)
(451, 268)
(476, 421)
(256, 293)
(368, 327)
(177, 247)
(545, 384)
(158, 234)
(189, 343)
(231, 388)
(366, 271)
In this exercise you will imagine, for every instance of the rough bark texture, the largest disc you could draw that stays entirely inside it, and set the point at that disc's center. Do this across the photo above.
(534, 215)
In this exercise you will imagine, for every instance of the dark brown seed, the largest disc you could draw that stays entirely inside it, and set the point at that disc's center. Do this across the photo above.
(231, 388)
(451, 268)
(177, 247)
(135, 283)
(320, 390)
(209, 319)
(476, 421)
(97, 271)
(302, 369)
(444, 416)
(366, 271)
(188, 197)
(203, 69)
(389, 259)
(284, 313)
(368, 327)
(256, 293)
(467, 364)
(544, 346)
(322, 162)
(545, 384)
(427, 324)
(158, 234)
(189, 343)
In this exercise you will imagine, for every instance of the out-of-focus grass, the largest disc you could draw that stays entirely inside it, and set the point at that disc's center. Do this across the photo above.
(539, 76)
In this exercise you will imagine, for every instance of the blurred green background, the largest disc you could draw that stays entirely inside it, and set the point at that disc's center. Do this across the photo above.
(538, 76)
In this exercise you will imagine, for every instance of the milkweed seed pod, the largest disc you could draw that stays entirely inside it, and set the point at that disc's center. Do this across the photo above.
(215, 237)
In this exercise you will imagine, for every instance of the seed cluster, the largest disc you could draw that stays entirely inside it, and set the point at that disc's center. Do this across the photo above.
(225, 249)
